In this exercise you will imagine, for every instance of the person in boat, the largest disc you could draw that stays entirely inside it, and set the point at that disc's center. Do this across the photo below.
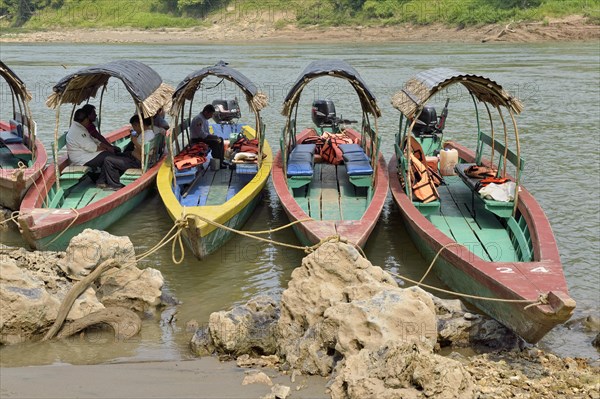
(90, 111)
(200, 132)
(136, 138)
(160, 123)
(83, 149)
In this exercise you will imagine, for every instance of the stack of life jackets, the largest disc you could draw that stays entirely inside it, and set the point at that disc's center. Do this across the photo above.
(191, 156)
(423, 178)
(327, 145)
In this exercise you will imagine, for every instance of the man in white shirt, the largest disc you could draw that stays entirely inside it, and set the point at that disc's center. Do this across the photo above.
(85, 150)
(200, 132)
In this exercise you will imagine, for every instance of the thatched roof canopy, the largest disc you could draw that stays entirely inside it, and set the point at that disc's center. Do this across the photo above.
(188, 86)
(141, 81)
(16, 84)
(420, 88)
(334, 68)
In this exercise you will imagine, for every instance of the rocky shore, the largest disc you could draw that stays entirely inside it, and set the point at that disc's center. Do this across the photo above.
(340, 318)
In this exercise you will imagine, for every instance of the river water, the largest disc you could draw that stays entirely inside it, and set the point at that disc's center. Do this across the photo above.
(559, 130)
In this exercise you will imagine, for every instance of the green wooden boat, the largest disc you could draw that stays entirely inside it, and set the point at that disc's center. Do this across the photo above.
(66, 200)
(498, 250)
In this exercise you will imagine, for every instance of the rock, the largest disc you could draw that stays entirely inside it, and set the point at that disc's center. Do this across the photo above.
(202, 343)
(596, 341)
(458, 328)
(32, 286)
(130, 287)
(278, 392)
(263, 361)
(92, 247)
(592, 323)
(405, 315)
(256, 377)
(246, 329)
(27, 307)
(400, 370)
(338, 303)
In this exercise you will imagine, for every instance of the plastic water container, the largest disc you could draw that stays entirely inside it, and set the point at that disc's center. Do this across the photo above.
(448, 159)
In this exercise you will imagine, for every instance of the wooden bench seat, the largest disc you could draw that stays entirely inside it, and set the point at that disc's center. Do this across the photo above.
(500, 208)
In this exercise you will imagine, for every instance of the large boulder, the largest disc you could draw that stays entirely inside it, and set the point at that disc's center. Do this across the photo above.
(92, 247)
(337, 303)
(132, 288)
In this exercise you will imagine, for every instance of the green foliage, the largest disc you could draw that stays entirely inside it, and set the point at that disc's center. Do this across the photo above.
(37, 14)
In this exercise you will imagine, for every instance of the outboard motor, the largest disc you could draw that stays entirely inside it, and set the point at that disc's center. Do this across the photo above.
(226, 111)
(323, 113)
(427, 122)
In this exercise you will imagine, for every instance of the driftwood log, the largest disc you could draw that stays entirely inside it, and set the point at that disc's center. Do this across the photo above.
(124, 322)
(77, 289)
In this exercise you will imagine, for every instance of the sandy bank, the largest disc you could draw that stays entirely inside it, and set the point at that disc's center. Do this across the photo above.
(201, 378)
(565, 29)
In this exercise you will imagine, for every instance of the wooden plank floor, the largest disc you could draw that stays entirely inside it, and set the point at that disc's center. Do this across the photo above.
(214, 188)
(83, 194)
(482, 234)
(331, 196)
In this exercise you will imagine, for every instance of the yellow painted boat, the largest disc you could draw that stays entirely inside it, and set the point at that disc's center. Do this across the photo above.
(205, 197)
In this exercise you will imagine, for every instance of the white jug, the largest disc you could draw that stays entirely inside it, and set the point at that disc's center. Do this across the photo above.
(448, 159)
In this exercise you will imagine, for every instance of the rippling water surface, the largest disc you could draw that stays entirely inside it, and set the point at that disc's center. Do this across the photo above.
(559, 131)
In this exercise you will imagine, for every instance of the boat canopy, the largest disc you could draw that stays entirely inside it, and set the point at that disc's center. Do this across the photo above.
(338, 69)
(16, 84)
(420, 88)
(188, 86)
(142, 82)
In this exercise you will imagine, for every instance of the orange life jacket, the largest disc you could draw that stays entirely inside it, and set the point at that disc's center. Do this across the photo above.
(331, 152)
(422, 185)
(496, 180)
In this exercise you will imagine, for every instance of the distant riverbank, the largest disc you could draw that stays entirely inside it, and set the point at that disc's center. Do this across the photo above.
(573, 28)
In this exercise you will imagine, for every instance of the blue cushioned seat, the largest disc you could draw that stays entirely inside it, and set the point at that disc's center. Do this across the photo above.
(246, 168)
(348, 148)
(360, 168)
(355, 157)
(309, 148)
(300, 162)
(10, 138)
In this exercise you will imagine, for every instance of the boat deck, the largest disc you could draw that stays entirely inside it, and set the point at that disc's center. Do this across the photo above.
(82, 194)
(7, 159)
(331, 196)
(213, 188)
(483, 234)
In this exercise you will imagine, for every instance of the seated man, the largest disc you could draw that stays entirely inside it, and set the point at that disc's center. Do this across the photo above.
(137, 139)
(90, 111)
(85, 150)
(200, 132)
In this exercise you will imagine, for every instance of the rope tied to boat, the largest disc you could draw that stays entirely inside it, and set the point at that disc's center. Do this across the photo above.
(542, 300)
(175, 232)
(13, 218)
